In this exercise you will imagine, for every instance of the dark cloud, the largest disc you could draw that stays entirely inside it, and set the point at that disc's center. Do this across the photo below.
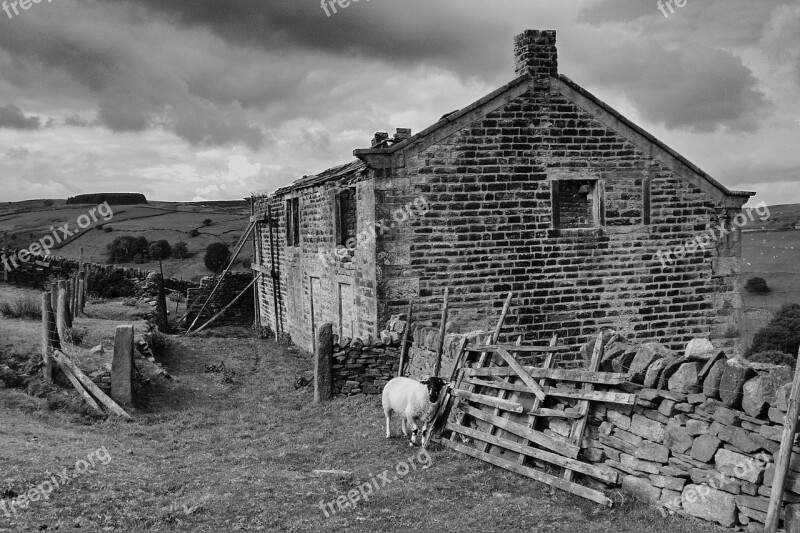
(462, 35)
(13, 118)
(701, 89)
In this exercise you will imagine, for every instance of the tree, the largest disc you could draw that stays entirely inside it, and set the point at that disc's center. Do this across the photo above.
(121, 249)
(217, 256)
(159, 250)
(194, 233)
(180, 250)
(208, 222)
(757, 286)
(141, 246)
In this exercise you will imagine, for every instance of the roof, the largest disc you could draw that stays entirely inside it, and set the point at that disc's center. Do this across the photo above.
(679, 164)
(342, 171)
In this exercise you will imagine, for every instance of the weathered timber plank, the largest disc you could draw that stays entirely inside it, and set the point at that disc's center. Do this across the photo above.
(537, 437)
(572, 488)
(536, 453)
(488, 400)
(522, 373)
(581, 376)
(576, 394)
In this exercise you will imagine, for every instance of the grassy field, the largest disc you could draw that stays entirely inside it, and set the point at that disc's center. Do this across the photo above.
(774, 256)
(23, 223)
(205, 456)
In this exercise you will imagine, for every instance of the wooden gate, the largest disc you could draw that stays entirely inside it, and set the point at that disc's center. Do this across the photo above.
(500, 401)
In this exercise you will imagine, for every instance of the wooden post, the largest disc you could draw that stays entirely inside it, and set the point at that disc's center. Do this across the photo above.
(122, 367)
(81, 292)
(442, 329)
(784, 457)
(405, 346)
(323, 363)
(62, 312)
(48, 326)
(54, 296)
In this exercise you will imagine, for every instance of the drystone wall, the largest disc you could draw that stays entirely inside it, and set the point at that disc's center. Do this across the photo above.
(363, 369)
(241, 313)
(702, 437)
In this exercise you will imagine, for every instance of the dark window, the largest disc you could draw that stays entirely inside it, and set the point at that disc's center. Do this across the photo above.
(576, 204)
(646, 209)
(293, 222)
(345, 216)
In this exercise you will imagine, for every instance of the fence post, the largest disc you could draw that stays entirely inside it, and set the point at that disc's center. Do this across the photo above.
(48, 327)
(63, 322)
(122, 366)
(54, 296)
(323, 364)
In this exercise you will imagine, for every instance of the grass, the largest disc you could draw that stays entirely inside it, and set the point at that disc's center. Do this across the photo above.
(203, 456)
(22, 307)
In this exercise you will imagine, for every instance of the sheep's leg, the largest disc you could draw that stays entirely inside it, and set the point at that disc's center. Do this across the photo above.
(414, 431)
(424, 432)
(403, 426)
(388, 421)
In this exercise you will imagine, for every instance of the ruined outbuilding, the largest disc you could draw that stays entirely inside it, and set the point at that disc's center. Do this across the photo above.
(538, 188)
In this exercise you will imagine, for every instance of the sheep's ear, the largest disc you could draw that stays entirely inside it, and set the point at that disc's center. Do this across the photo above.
(425, 381)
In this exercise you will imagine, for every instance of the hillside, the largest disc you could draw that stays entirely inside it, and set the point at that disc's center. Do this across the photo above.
(22, 223)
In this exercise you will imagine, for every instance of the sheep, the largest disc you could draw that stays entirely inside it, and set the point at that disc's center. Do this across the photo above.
(414, 401)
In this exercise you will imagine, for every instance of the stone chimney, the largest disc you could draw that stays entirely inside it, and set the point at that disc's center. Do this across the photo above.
(535, 52)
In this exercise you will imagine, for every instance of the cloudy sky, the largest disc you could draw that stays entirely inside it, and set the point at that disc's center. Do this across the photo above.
(215, 99)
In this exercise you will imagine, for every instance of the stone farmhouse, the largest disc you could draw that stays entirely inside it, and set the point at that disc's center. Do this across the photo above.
(539, 188)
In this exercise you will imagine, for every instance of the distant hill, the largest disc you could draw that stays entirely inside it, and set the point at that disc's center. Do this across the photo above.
(22, 223)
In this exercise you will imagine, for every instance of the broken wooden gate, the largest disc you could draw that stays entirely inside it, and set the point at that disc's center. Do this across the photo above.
(501, 406)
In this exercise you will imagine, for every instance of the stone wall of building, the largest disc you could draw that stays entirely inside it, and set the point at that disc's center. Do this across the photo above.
(318, 281)
(490, 226)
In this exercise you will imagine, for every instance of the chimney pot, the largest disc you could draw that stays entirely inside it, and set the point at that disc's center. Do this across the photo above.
(402, 134)
(379, 138)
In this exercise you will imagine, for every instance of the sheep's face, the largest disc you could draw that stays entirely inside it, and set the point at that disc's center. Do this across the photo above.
(435, 386)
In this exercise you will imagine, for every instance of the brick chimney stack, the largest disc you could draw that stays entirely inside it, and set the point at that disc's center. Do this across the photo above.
(535, 52)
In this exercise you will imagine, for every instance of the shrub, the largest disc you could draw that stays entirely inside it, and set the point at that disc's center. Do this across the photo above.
(108, 229)
(246, 262)
(781, 334)
(757, 286)
(75, 336)
(217, 255)
(773, 357)
(110, 284)
(26, 308)
(160, 250)
(180, 250)
(194, 233)
(208, 222)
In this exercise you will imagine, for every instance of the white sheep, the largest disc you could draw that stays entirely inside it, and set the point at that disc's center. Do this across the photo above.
(415, 401)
